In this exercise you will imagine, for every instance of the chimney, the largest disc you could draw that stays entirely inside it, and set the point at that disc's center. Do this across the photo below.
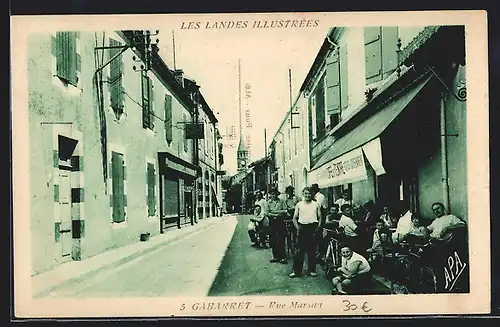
(179, 76)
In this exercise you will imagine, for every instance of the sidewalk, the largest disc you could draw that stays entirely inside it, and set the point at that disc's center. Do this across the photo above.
(75, 272)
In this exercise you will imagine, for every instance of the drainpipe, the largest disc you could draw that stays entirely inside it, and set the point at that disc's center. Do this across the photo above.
(444, 155)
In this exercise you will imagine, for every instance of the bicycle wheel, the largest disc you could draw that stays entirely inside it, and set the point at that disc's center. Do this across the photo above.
(428, 281)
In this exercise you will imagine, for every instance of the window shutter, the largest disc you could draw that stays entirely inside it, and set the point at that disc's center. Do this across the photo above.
(151, 189)
(168, 118)
(66, 61)
(145, 101)
(115, 78)
(118, 191)
(373, 55)
(333, 84)
(389, 47)
(344, 78)
(320, 107)
(151, 106)
(185, 140)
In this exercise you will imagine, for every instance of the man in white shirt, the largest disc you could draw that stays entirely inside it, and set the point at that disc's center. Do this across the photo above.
(346, 199)
(403, 227)
(350, 228)
(307, 220)
(441, 228)
(320, 199)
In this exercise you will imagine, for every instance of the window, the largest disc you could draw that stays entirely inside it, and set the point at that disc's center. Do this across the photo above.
(68, 61)
(168, 118)
(151, 182)
(115, 78)
(147, 102)
(118, 189)
(380, 52)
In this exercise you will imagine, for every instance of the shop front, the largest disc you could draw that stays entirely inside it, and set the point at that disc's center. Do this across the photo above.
(369, 159)
(176, 183)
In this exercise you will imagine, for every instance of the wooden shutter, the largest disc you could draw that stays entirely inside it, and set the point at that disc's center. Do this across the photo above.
(373, 54)
(344, 78)
(320, 107)
(168, 118)
(332, 84)
(66, 61)
(115, 78)
(389, 46)
(185, 140)
(151, 199)
(118, 187)
(145, 101)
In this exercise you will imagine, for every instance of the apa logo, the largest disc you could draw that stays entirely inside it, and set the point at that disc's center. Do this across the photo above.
(453, 270)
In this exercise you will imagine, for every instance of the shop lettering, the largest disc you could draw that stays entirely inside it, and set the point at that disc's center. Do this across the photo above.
(342, 167)
(453, 270)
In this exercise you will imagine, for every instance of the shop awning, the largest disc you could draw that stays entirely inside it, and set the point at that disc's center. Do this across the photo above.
(178, 165)
(344, 161)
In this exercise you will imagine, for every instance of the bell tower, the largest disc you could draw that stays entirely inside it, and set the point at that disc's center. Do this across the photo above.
(242, 152)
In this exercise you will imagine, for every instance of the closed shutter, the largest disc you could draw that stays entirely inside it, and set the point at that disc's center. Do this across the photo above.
(115, 78)
(145, 101)
(151, 198)
(373, 54)
(168, 118)
(389, 48)
(320, 107)
(333, 84)
(66, 61)
(344, 78)
(184, 137)
(118, 187)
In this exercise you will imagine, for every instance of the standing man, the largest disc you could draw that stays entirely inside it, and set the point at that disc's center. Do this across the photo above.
(307, 220)
(276, 211)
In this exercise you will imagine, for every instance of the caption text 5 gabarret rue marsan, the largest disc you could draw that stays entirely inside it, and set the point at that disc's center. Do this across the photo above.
(288, 23)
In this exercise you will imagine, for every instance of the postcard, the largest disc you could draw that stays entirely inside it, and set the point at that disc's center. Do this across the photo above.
(266, 164)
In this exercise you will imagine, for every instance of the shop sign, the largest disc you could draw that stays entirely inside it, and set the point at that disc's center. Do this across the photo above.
(176, 166)
(347, 168)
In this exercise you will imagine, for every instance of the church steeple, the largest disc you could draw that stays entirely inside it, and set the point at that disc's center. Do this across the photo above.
(242, 152)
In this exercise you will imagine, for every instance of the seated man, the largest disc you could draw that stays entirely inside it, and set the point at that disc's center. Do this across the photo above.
(380, 238)
(418, 233)
(350, 228)
(441, 229)
(258, 227)
(355, 272)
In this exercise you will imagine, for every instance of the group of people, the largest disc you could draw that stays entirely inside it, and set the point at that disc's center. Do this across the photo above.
(363, 232)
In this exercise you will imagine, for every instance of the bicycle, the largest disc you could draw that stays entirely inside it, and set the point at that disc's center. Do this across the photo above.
(331, 260)
(414, 274)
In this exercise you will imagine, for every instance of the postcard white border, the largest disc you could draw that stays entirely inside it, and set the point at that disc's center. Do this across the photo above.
(478, 301)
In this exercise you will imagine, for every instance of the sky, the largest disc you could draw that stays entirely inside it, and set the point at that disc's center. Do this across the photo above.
(210, 56)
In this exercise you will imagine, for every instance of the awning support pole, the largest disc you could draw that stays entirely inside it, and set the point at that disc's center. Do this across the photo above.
(444, 155)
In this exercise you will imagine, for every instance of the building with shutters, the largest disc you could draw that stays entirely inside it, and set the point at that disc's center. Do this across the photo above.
(291, 147)
(110, 162)
(387, 116)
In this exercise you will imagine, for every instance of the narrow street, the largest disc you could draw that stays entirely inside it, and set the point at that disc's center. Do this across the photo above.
(183, 267)
(247, 271)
